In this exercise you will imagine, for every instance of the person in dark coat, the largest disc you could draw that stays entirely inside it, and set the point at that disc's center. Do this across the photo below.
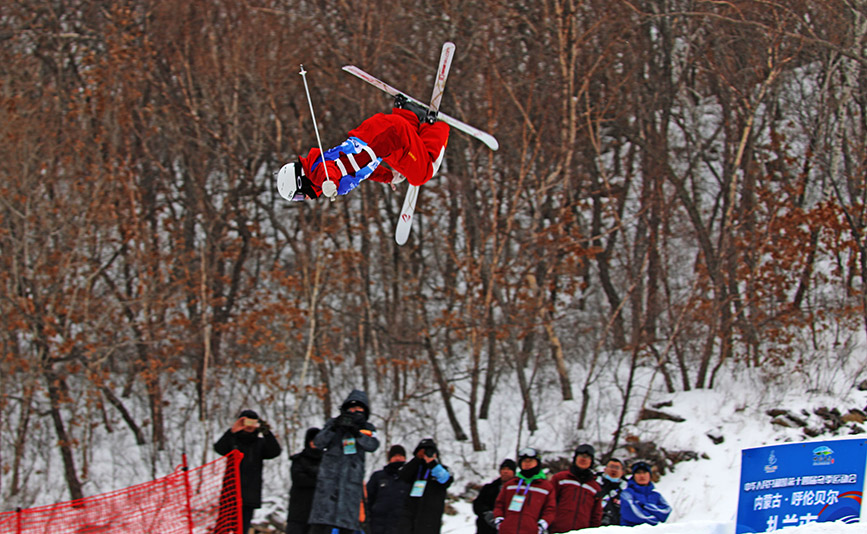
(254, 439)
(578, 497)
(340, 484)
(305, 468)
(483, 504)
(428, 480)
(386, 494)
(612, 482)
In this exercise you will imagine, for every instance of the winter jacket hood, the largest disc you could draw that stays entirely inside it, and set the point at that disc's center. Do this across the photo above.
(356, 397)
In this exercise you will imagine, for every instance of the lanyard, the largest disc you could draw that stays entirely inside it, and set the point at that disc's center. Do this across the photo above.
(518, 489)
(419, 477)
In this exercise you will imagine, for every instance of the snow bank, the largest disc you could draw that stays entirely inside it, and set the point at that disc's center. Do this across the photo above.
(464, 523)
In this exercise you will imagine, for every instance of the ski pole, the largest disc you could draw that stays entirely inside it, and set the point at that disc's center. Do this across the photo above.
(303, 74)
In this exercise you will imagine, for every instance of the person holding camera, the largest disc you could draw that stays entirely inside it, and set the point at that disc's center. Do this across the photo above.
(428, 480)
(253, 437)
(339, 492)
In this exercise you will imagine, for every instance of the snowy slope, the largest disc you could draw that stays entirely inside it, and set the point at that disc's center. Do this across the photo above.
(703, 492)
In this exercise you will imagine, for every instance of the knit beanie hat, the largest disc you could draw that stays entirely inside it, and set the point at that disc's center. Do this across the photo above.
(396, 450)
(509, 464)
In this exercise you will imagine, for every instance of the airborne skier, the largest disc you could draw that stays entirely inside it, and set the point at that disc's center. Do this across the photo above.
(409, 140)
(412, 140)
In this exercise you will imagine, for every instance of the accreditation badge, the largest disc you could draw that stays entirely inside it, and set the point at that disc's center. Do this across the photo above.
(418, 488)
(348, 445)
(517, 503)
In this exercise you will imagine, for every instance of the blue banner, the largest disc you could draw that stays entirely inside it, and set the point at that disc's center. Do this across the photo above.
(793, 484)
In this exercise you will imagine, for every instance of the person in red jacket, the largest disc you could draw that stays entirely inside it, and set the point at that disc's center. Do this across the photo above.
(578, 495)
(526, 503)
(409, 139)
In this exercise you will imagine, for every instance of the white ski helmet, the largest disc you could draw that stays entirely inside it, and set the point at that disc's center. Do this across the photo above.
(289, 181)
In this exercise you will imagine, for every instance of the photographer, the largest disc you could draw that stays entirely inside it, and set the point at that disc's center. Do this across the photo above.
(339, 490)
(254, 439)
(428, 480)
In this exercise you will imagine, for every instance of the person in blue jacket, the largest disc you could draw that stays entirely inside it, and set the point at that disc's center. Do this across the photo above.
(640, 504)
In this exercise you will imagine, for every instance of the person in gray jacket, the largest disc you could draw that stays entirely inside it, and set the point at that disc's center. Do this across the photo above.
(339, 492)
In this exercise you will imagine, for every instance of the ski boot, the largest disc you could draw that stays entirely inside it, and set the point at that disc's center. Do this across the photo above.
(423, 113)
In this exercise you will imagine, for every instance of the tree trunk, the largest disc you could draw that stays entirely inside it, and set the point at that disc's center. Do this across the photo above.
(57, 392)
(633, 364)
(556, 347)
(491, 370)
(521, 358)
(460, 435)
(21, 433)
(475, 373)
(124, 413)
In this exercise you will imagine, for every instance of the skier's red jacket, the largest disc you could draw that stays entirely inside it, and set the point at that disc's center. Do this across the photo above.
(409, 147)
(579, 504)
(539, 504)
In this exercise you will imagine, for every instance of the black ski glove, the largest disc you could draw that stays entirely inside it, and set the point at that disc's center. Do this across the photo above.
(343, 422)
(357, 420)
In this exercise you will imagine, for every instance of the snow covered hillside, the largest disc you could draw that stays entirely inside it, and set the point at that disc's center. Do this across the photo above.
(703, 492)
(717, 424)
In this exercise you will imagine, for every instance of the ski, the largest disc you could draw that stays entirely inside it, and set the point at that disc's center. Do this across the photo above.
(404, 222)
(489, 140)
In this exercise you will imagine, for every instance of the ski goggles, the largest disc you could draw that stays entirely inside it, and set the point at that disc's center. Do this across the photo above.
(528, 452)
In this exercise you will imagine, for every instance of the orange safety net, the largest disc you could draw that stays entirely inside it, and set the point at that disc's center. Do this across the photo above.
(206, 499)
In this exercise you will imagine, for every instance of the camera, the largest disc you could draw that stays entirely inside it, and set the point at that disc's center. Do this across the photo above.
(250, 424)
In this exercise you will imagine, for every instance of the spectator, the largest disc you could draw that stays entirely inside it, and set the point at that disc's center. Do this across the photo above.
(526, 504)
(386, 494)
(254, 439)
(639, 503)
(579, 500)
(340, 484)
(612, 482)
(427, 480)
(305, 467)
(483, 505)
